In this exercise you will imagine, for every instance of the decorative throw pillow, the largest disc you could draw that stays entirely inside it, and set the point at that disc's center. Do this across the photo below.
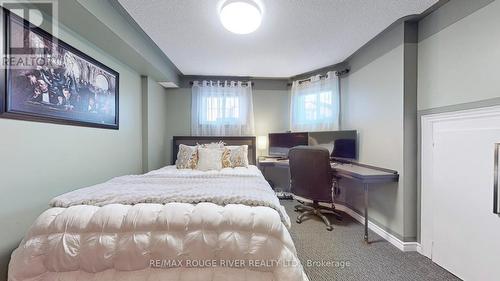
(209, 158)
(235, 156)
(226, 158)
(187, 157)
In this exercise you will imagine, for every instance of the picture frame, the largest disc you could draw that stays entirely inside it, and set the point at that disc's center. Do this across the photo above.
(56, 83)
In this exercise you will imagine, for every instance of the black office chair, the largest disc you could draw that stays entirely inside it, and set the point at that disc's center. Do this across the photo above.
(312, 182)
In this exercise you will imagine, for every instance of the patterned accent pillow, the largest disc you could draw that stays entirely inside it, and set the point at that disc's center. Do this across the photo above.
(226, 158)
(187, 157)
(237, 156)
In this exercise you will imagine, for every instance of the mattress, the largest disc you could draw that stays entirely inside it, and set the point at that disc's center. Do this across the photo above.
(168, 224)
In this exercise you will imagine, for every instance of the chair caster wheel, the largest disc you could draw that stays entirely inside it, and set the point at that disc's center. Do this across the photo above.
(329, 228)
(298, 221)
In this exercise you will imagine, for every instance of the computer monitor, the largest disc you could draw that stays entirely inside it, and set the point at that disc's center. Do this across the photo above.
(340, 144)
(280, 143)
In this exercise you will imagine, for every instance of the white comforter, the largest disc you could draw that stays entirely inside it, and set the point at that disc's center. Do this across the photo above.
(130, 229)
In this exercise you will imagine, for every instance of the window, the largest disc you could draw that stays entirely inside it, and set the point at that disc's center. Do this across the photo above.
(222, 109)
(317, 107)
(315, 104)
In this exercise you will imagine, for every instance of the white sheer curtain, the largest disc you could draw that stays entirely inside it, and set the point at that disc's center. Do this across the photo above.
(315, 104)
(222, 109)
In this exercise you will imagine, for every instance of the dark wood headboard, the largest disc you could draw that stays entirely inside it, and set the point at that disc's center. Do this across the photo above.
(188, 140)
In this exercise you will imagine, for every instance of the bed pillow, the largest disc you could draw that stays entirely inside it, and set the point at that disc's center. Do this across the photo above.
(209, 159)
(187, 157)
(235, 156)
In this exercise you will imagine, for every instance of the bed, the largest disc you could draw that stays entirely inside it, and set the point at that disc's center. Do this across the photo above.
(168, 224)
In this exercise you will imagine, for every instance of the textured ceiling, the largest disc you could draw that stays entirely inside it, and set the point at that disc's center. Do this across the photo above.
(295, 36)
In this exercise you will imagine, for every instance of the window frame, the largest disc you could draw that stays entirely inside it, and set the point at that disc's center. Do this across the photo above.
(218, 109)
(317, 107)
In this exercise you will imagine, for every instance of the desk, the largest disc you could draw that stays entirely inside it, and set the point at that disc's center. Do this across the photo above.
(364, 174)
(277, 173)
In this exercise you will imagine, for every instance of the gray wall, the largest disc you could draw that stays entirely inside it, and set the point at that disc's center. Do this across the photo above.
(154, 129)
(372, 104)
(272, 111)
(178, 122)
(272, 115)
(460, 63)
(377, 101)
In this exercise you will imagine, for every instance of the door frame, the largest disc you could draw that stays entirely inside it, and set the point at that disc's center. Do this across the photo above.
(428, 123)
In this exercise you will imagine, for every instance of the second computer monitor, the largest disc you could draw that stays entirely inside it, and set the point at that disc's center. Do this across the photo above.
(340, 144)
(280, 143)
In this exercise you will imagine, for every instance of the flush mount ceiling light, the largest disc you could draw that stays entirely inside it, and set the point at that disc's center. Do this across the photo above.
(240, 17)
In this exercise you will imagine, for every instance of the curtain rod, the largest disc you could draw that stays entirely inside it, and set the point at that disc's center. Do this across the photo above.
(337, 73)
(242, 83)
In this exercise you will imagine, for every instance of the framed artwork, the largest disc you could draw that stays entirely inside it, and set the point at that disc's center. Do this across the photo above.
(47, 80)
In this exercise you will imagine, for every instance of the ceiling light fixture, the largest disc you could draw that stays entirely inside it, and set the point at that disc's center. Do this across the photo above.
(241, 16)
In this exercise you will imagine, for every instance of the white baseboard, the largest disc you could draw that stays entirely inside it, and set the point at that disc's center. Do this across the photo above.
(420, 250)
(403, 246)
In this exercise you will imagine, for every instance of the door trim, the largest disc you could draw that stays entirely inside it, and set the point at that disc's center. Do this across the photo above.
(428, 123)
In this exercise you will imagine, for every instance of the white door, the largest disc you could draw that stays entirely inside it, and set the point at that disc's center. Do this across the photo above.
(460, 232)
